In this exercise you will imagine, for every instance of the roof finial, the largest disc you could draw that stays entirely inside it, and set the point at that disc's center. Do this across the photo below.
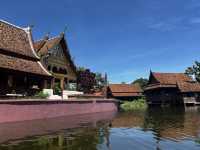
(46, 37)
(65, 29)
(106, 79)
(31, 26)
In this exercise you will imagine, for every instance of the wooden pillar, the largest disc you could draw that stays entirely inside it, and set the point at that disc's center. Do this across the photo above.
(45, 84)
(62, 84)
(52, 83)
(66, 82)
(60, 140)
(10, 81)
(10, 84)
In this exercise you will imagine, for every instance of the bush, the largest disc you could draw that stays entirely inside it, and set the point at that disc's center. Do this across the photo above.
(42, 95)
(139, 104)
(57, 89)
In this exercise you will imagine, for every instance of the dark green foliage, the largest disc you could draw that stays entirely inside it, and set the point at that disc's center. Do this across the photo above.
(85, 80)
(197, 141)
(141, 81)
(194, 70)
(57, 89)
(88, 81)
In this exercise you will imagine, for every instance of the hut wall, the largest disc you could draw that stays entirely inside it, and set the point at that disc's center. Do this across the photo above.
(160, 96)
(191, 97)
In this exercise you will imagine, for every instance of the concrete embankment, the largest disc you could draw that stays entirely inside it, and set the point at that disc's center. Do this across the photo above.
(21, 110)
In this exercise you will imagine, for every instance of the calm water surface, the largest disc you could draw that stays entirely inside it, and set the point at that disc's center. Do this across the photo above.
(153, 129)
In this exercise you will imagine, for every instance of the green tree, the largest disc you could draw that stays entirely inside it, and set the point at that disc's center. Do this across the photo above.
(141, 81)
(81, 69)
(85, 80)
(194, 71)
(100, 81)
(88, 81)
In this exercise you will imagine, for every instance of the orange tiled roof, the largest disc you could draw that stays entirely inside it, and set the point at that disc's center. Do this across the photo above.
(126, 94)
(155, 86)
(128, 88)
(189, 86)
(170, 78)
(125, 90)
(174, 80)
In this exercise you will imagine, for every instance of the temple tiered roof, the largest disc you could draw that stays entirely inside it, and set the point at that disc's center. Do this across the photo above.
(17, 51)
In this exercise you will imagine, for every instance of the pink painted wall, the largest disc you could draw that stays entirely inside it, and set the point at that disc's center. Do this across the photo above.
(19, 130)
(31, 110)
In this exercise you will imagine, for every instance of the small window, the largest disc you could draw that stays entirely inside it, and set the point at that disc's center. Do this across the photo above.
(65, 71)
(49, 68)
(55, 69)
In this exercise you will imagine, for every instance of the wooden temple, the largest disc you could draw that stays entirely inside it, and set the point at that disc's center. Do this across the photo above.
(172, 88)
(21, 71)
(124, 91)
(27, 67)
(55, 57)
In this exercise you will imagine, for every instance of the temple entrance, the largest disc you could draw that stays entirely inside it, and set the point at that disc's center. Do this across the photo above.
(20, 84)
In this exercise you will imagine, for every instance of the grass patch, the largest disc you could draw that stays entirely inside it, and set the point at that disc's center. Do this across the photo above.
(41, 95)
(139, 104)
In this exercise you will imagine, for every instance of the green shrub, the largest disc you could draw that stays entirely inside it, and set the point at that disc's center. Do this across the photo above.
(57, 89)
(42, 95)
(197, 140)
(139, 104)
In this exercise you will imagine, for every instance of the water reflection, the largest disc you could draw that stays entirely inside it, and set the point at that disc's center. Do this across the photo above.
(85, 138)
(155, 128)
(173, 123)
(165, 122)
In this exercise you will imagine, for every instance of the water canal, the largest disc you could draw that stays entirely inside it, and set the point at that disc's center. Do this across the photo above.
(153, 129)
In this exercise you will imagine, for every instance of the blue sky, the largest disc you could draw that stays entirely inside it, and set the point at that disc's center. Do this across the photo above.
(125, 38)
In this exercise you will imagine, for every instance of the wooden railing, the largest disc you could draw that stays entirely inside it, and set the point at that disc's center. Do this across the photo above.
(189, 100)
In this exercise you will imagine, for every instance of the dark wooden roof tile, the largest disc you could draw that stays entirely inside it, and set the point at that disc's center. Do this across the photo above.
(17, 51)
(20, 64)
(16, 40)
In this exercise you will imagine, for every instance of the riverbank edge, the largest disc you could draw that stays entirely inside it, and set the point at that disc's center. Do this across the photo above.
(32, 109)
